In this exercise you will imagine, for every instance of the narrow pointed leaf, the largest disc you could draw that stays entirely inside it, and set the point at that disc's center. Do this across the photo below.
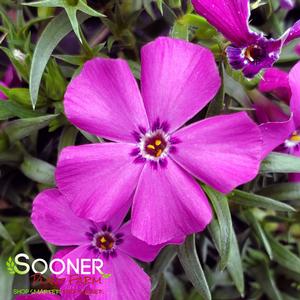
(55, 31)
(280, 163)
(38, 170)
(21, 128)
(283, 256)
(253, 200)
(221, 208)
(190, 262)
(282, 191)
(253, 222)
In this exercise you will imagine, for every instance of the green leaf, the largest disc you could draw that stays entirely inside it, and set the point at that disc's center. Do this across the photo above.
(176, 286)
(68, 137)
(253, 200)
(55, 31)
(221, 208)
(159, 4)
(71, 10)
(180, 31)
(234, 265)
(4, 234)
(280, 163)
(166, 256)
(235, 90)
(13, 109)
(253, 222)
(10, 265)
(38, 170)
(6, 280)
(263, 276)
(283, 256)
(282, 191)
(5, 113)
(159, 291)
(217, 105)
(192, 267)
(21, 128)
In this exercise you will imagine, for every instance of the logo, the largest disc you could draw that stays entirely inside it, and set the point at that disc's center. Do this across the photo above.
(83, 266)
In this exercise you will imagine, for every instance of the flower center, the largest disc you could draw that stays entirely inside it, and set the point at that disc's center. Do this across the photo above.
(105, 242)
(293, 140)
(254, 53)
(154, 145)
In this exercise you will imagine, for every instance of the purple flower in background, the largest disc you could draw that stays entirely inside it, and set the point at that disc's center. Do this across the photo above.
(57, 224)
(281, 129)
(153, 159)
(287, 4)
(250, 51)
(10, 80)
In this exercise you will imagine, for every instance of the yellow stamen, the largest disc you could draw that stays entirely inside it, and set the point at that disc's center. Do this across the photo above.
(295, 138)
(158, 153)
(103, 247)
(151, 147)
(157, 142)
(103, 240)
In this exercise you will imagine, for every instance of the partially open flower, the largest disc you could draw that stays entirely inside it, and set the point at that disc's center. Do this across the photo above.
(249, 51)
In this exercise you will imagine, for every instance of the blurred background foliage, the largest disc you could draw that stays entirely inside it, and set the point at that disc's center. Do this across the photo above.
(249, 251)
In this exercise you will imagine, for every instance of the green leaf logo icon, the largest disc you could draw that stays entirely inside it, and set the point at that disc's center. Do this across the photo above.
(106, 275)
(10, 266)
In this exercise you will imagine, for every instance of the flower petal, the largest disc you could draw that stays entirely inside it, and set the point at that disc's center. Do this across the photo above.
(267, 110)
(98, 179)
(139, 249)
(127, 281)
(287, 4)
(73, 281)
(295, 87)
(168, 204)
(292, 33)
(222, 151)
(178, 80)
(230, 17)
(55, 221)
(276, 81)
(274, 134)
(105, 100)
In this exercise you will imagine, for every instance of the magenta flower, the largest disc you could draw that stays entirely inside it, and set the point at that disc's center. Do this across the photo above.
(278, 128)
(10, 79)
(57, 224)
(287, 4)
(276, 82)
(153, 159)
(250, 51)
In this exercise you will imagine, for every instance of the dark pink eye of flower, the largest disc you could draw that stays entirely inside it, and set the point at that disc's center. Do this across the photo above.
(104, 241)
(155, 144)
(255, 53)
